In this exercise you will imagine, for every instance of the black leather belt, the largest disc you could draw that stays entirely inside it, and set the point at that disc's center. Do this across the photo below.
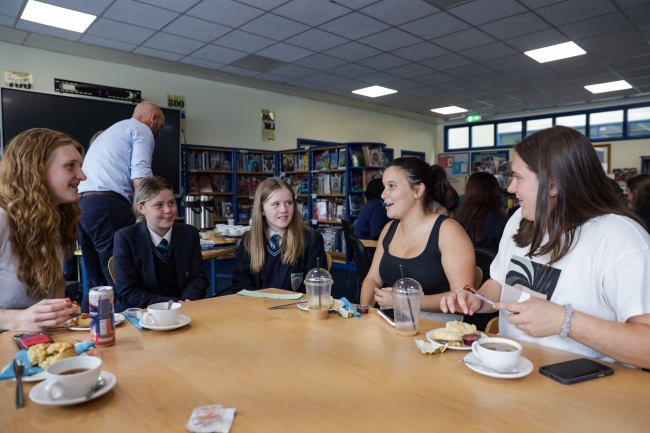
(85, 194)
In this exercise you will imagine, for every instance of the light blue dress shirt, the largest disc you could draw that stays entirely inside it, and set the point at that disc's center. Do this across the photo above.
(120, 154)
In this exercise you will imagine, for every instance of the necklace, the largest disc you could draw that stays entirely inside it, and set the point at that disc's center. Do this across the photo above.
(416, 234)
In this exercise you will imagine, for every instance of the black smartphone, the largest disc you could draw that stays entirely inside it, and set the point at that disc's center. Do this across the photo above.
(387, 314)
(576, 370)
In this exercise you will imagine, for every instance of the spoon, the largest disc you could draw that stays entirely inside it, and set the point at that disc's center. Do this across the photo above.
(101, 382)
(169, 304)
(513, 371)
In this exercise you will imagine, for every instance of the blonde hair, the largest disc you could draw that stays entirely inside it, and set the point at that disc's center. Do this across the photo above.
(37, 228)
(147, 189)
(293, 241)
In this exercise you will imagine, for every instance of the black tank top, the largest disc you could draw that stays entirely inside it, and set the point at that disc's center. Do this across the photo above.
(426, 268)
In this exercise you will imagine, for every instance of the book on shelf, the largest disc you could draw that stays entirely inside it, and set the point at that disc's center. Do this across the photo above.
(214, 160)
(253, 163)
(268, 163)
(244, 209)
(205, 183)
(302, 161)
(333, 238)
(329, 239)
(220, 183)
(252, 185)
(288, 162)
(356, 157)
(242, 186)
(356, 203)
(322, 160)
(369, 175)
(334, 160)
(385, 159)
(225, 165)
(193, 184)
(356, 182)
(342, 158)
(227, 210)
(624, 174)
(336, 184)
(374, 156)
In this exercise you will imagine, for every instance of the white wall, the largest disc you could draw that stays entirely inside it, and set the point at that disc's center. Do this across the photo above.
(221, 114)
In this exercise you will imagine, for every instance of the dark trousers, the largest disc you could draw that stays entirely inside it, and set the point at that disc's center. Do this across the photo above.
(101, 216)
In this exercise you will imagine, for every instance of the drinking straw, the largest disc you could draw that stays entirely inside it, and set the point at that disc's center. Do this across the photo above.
(319, 278)
(408, 300)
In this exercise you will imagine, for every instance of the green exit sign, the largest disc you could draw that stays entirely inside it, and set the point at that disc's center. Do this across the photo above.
(473, 118)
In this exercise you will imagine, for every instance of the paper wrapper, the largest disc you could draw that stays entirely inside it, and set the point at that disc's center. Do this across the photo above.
(346, 313)
(428, 348)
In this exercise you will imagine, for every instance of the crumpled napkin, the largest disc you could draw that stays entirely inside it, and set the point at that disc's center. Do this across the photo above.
(427, 347)
(348, 310)
(222, 425)
(254, 294)
(8, 371)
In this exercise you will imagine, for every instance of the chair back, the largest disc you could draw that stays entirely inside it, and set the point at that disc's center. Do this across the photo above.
(360, 257)
(110, 268)
(347, 232)
(484, 258)
(492, 326)
(329, 261)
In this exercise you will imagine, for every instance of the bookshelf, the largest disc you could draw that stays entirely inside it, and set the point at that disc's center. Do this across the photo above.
(252, 167)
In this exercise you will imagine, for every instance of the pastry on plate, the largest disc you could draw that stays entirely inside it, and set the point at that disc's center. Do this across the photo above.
(45, 354)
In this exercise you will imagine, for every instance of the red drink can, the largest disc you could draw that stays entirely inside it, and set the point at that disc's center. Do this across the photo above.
(102, 315)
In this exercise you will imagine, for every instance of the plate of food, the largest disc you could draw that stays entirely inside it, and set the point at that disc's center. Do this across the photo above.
(335, 304)
(82, 322)
(457, 335)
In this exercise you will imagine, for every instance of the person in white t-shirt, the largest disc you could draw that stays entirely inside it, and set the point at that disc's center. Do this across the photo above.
(574, 262)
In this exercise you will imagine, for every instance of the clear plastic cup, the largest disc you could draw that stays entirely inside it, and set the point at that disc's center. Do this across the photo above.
(407, 298)
(319, 287)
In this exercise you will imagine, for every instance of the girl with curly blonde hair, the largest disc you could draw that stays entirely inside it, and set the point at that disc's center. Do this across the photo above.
(39, 175)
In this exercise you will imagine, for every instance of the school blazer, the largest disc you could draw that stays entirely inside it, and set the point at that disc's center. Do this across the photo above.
(291, 277)
(133, 261)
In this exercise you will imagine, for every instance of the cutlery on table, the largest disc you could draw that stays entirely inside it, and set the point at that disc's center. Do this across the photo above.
(19, 369)
(101, 382)
(513, 371)
(284, 305)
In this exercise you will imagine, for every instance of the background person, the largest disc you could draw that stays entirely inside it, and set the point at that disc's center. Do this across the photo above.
(638, 194)
(446, 192)
(116, 162)
(278, 250)
(574, 261)
(372, 217)
(39, 175)
(432, 248)
(157, 260)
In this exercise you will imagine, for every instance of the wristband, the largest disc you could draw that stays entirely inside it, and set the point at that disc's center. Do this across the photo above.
(481, 307)
(567, 321)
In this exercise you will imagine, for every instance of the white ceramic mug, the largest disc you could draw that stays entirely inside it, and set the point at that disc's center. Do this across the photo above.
(501, 361)
(231, 221)
(72, 378)
(159, 315)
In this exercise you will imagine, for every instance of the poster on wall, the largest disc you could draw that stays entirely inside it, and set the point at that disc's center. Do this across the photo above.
(268, 125)
(19, 80)
(455, 164)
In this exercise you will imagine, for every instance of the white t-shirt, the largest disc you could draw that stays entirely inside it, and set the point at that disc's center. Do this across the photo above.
(606, 274)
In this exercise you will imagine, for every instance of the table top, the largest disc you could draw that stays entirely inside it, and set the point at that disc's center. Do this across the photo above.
(284, 372)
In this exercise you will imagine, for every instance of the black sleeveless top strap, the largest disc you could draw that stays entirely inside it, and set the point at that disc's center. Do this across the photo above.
(426, 268)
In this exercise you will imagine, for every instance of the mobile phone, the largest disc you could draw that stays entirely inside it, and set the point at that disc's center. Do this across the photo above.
(387, 314)
(25, 341)
(576, 370)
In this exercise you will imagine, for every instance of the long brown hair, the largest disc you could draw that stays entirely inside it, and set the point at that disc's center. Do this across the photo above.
(640, 184)
(293, 240)
(482, 194)
(583, 190)
(37, 228)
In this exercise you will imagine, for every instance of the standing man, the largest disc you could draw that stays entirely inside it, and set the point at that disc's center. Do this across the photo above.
(115, 163)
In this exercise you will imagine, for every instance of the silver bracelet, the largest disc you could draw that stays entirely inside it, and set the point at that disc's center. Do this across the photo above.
(567, 321)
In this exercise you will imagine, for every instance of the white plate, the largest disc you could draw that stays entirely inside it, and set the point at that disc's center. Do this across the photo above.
(524, 367)
(337, 304)
(184, 320)
(119, 319)
(39, 376)
(463, 347)
(37, 394)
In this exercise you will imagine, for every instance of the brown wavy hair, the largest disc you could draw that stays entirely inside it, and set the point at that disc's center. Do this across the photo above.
(641, 185)
(38, 229)
(583, 190)
(482, 194)
(293, 240)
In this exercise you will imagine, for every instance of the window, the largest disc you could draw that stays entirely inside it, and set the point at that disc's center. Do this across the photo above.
(533, 126)
(458, 138)
(605, 125)
(638, 121)
(577, 122)
(483, 135)
(508, 134)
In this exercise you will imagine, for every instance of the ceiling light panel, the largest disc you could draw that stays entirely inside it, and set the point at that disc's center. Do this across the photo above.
(556, 52)
(449, 110)
(612, 86)
(55, 16)
(374, 91)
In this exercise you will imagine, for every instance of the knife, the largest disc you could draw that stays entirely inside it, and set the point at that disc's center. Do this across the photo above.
(19, 369)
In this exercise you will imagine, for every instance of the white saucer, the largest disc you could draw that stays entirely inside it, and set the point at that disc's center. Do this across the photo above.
(524, 366)
(39, 376)
(429, 336)
(184, 320)
(119, 319)
(337, 304)
(37, 394)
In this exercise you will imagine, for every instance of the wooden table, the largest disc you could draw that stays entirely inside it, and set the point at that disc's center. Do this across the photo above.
(286, 373)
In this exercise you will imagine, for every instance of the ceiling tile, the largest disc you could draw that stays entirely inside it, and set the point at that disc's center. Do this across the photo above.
(629, 53)
(636, 73)
(217, 54)
(356, 4)
(226, 12)
(630, 64)
(435, 26)
(332, 90)
(274, 78)
(323, 79)
(274, 27)
(7, 21)
(483, 11)
(383, 61)
(349, 85)
(157, 53)
(311, 12)
(12, 7)
(352, 52)
(489, 79)
(447, 62)
(391, 39)
(585, 61)
(316, 40)
(174, 5)
(243, 41)
(139, 14)
(629, 3)
(469, 71)
(201, 63)
(433, 79)
(536, 40)
(378, 78)
(410, 70)
(48, 30)
(613, 40)
(528, 72)
(574, 10)
(95, 7)
(403, 85)
(596, 26)
(108, 43)
(517, 25)
(491, 51)
(395, 12)
(320, 62)
(254, 62)
(354, 26)
(351, 70)
(195, 28)
(587, 78)
(515, 61)
(267, 5)
(304, 85)
(285, 52)
(535, 4)
(640, 15)
(119, 31)
(463, 40)
(457, 85)
(174, 44)
(293, 72)
(240, 71)
(421, 51)
(424, 91)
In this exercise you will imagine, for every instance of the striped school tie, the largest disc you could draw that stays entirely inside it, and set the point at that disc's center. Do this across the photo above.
(162, 249)
(274, 244)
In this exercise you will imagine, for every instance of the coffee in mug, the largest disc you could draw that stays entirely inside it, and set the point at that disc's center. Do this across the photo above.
(159, 315)
(498, 354)
(72, 378)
